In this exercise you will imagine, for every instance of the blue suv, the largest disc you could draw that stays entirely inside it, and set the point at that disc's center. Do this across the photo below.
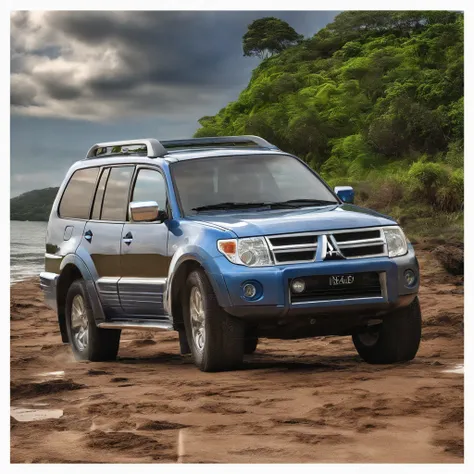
(224, 240)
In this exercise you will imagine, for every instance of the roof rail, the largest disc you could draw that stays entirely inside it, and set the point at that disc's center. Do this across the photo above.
(154, 148)
(240, 140)
(151, 146)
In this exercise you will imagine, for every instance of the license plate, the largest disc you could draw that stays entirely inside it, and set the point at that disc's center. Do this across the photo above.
(336, 280)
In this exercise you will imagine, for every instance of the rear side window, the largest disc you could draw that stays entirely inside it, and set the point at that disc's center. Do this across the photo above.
(114, 207)
(77, 197)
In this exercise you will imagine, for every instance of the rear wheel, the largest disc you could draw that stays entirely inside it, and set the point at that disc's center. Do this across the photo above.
(215, 338)
(88, 342)
(395, 340)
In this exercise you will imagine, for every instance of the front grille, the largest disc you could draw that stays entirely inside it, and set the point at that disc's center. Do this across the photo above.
(300, 248)
(296, 248)
(318, 288)
(363, 243)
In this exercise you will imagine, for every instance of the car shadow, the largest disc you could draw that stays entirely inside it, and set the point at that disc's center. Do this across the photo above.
(267, 362)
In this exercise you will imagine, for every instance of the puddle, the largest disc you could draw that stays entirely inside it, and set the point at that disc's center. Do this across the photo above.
(457, 369)
(32, 414)
(52, 375)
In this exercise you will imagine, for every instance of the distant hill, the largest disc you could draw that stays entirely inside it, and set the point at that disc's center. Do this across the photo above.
(33, 206)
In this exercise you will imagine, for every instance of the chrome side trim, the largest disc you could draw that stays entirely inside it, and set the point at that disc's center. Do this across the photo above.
(139, 281)
(136, 325)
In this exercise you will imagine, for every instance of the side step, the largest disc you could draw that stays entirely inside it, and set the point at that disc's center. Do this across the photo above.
(139, 324)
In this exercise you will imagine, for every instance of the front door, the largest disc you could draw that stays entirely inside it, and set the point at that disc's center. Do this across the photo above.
(144, 260)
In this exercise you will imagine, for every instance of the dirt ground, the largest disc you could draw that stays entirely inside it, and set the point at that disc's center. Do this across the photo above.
(310, 400)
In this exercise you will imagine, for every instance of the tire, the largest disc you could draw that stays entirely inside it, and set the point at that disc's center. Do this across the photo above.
(395, 340)
(250, 345)
(88, 342)
(220, 346)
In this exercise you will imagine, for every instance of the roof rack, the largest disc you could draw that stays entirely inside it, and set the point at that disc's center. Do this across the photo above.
(240, 140)
(153, 148)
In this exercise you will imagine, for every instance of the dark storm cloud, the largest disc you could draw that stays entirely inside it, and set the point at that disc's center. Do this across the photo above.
(117, 75)
(97, 56)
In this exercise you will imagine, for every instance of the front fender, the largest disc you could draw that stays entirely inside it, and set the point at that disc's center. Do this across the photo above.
(207, 262)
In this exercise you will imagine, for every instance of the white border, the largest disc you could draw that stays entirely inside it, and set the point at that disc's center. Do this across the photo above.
(468, 8)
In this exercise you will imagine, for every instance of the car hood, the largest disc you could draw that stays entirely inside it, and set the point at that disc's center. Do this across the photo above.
(253, 223)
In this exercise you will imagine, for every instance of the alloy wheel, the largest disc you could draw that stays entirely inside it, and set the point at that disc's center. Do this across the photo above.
(197, 314)
(79, 323)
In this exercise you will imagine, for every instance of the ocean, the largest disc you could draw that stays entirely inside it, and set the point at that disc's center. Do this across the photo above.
(27, 247)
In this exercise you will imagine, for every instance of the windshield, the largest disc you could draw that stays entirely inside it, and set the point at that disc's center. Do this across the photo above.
(247, 181)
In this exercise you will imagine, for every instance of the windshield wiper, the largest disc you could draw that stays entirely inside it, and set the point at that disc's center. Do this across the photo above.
(229, 205)
(301, 203)
(292, 204)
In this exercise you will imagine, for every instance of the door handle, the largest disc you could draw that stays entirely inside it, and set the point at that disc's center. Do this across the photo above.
(128, 238)
(88, 235)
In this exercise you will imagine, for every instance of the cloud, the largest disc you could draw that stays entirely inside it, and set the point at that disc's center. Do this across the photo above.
(104, 65)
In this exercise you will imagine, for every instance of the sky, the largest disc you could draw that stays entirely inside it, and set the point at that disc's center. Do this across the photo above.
(82, 77)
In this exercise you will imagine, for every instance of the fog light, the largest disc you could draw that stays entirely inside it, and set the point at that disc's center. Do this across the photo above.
(249, 290)
(298, 286)
(410, 278)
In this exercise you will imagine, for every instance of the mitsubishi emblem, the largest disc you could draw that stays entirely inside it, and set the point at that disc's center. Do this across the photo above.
(330, 250)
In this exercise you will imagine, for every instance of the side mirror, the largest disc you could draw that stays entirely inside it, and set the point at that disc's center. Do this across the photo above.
(146, 211)
(345, 194)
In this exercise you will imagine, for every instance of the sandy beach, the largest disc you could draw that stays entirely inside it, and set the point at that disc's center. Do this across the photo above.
(310, 400)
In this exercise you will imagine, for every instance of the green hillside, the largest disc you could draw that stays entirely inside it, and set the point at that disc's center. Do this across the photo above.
(376, 100)
(33, 205)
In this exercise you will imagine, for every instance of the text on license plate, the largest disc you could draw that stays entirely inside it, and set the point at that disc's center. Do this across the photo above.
(335, 280)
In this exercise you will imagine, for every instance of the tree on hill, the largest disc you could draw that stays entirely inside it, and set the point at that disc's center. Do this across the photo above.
(268, 36)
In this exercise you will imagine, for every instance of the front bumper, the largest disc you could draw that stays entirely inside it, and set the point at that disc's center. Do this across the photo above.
(48, 283)
(275, 301)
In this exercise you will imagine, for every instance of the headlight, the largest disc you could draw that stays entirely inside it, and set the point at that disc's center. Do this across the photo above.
(252, 252)
(397, 244)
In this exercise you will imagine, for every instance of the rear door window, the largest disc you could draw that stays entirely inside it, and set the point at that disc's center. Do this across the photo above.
(114, 207)
(77, 197)
(99, 194)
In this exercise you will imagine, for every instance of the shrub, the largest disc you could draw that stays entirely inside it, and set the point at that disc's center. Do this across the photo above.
(451, 196)
(426, 179)
(455, 154)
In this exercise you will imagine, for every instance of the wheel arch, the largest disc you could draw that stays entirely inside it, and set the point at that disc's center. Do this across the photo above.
(179, 271)
(73, 268)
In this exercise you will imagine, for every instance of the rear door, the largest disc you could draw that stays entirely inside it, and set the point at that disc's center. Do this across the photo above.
(66, 226)
(145, 261)
(103, 233)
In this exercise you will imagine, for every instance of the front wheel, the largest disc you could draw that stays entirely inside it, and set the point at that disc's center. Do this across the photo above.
(216, 339)
(395, 340)
(88, 342)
